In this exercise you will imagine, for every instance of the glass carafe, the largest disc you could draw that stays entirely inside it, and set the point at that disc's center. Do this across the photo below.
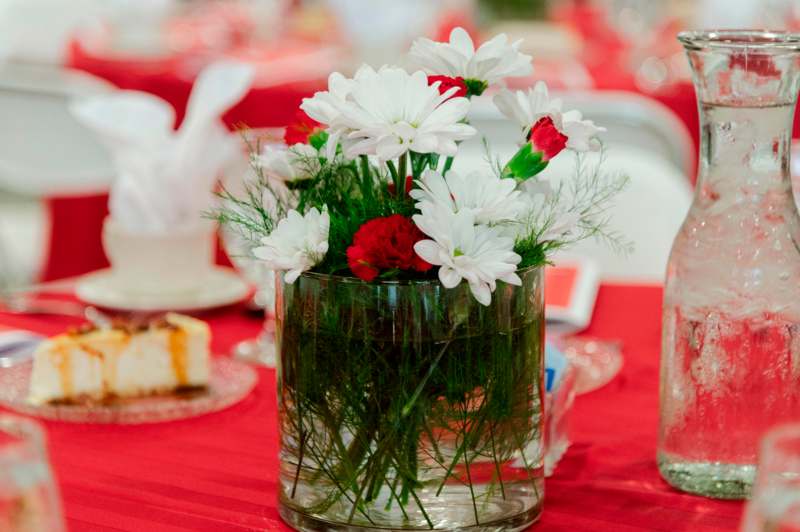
(730, 360)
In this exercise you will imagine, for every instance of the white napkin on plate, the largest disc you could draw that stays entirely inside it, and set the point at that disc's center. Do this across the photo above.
(166, 178)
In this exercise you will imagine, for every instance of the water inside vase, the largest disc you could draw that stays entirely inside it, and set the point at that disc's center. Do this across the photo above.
(492, 482)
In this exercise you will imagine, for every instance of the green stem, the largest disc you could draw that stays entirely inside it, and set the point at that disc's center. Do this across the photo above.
(378, 478)
(469, 474)
(465, 443)
(393, 490)
(433, 160)
(400, 189)
(471, 491)
(434, 442)
(300, 457)
(419, 161)
(366, 178)
(525, 464)
(496, 463)
(333, 478)
(392, 171)
(447, 164)
(408, 488)
(410, 404)
(421, 508)
(357, 503)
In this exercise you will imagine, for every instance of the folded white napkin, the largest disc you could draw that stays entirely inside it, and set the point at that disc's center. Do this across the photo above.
(166, 178)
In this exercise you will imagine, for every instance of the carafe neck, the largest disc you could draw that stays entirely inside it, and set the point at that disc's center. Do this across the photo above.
(746, 84)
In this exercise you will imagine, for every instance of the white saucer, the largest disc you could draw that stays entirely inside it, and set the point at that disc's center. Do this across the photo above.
(222, 287)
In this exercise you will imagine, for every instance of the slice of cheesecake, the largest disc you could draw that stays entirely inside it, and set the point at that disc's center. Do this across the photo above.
(100, 364)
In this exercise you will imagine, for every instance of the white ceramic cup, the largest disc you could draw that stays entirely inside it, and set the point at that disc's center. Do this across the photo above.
(155, 263)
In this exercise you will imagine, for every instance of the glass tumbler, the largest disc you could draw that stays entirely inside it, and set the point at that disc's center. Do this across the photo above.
(775, 504)
(29, 500)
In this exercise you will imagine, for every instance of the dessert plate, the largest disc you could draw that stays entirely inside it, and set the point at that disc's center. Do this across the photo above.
(231, 381)
(222, 287)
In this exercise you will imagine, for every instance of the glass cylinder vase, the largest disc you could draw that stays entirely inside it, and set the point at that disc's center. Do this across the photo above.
(404, 405)
(730, 360)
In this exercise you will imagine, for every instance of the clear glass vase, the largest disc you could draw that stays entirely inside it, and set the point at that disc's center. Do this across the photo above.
(408, 406)
(730, 360)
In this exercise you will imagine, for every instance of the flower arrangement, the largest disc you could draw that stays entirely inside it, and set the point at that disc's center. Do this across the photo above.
(409, 310)
(369, 162)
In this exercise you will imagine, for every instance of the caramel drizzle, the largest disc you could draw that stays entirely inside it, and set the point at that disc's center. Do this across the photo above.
(178, 351)
(63, 363)
(108, 363)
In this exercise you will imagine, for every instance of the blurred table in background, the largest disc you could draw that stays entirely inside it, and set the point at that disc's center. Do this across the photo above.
(76, 221)
(651, 63)
(268, 104)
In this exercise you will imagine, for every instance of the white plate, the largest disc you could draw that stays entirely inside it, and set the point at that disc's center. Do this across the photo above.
(230, 382)
(103, 289)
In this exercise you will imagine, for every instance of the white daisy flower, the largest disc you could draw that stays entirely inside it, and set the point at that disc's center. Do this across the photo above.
(490, 199)
(297, 244)
(479, 254)
(493, 61)
(389, 112)
(325, 107)
(296, 163)
(529, 109)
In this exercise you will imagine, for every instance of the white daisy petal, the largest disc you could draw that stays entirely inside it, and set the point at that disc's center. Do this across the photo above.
(449, 277)
(428, 251)
(295, 163)
(477, 254)
(389, 112)
(488, 198)
(493, 61)
(291, 276)
(297, 244)
(482, 292)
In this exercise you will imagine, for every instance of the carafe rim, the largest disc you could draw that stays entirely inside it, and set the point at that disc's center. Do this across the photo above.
(760, 41)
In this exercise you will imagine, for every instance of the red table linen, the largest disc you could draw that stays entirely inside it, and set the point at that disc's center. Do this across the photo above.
(220, 472)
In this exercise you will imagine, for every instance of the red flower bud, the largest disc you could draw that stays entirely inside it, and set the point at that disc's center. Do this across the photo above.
(385, 243)
(448, 83)
(301, 129)
(546, 138)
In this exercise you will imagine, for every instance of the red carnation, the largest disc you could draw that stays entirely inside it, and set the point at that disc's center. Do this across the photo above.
(301, 129)
(546, 138)
(385, 243)
(448, 83)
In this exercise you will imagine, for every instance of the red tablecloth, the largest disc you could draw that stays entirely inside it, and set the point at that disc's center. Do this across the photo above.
(219, 472)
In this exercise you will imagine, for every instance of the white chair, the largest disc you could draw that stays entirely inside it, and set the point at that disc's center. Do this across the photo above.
(43, 152)
(644, 141)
